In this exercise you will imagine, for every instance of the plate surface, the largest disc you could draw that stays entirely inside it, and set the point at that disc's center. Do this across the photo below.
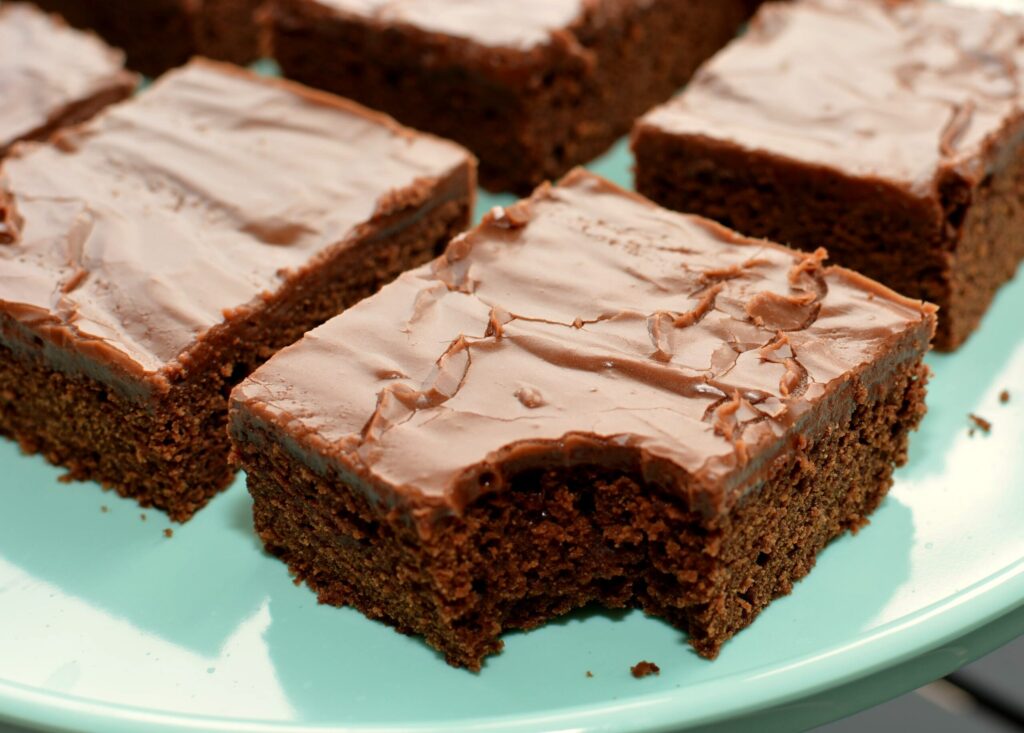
(108, 625)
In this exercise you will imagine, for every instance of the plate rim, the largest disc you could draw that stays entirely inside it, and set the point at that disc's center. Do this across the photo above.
(971, 608)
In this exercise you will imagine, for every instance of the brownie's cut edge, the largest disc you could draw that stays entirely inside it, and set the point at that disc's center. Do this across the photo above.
(391, 519)
(159, 35)
(228, 31)
(940, 219)
(129, 411)
(530, 107)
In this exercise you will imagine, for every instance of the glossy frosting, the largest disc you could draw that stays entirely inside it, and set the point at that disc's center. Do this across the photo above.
(583, 319)
(893, 90)
(520, 24)
(46, 68)
(137, 233)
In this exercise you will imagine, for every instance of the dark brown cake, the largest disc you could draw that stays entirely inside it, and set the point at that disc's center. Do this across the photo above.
(533, 87)
(588, 398)
(52, 76)
(892, 131)
(161, 34)
(143, 274)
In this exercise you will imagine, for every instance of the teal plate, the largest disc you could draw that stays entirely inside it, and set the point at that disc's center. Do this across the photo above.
(107, 625)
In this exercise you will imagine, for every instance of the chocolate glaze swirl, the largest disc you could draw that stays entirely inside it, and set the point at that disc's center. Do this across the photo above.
(584, 321)
(50, 73)
(137, 233)
(905, 91)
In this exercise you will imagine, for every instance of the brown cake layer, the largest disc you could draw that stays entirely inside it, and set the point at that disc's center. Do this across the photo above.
(588, 398)
(161, 34)
(142, 275)
(533, 88)
(52, 76)
(910, 169)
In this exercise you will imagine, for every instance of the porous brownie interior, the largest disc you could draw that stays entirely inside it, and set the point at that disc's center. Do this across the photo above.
(989, 247)
(156, 34)
(227, 30)
(558, 539)
(547, 113)
(171, 452)
(954, 251)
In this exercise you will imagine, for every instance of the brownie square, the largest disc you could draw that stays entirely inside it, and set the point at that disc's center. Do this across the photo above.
(51, 75)
(161, 34)
(893, 132)
(586, 399)
(151, 258)
(532, 87)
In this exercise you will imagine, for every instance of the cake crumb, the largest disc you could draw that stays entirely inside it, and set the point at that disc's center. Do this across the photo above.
(981, 423)
(142, 517)
(589, 673)
(644, 669)
(104, 508)
(168, 533)
(1004, 396)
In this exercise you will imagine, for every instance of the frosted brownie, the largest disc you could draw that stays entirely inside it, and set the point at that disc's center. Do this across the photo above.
(532, 87)
(52, 75)
(161, 34)
(587, 398)
(150, 259)
(892, 131)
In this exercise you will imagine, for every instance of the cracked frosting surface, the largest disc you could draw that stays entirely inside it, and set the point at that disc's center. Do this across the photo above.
(47, 67)
(583, 318)
(894, 90)
(522, 24)
(139, 232)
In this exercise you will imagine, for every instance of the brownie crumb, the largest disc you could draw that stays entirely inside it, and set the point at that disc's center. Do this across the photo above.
(1004, 396)
(981, 423)
(589, 673)
(168, 533)
(644, 669)
(104, 509)
(142, 517)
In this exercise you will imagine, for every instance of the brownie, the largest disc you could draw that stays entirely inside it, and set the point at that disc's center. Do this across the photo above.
(586, 399)
(892, 131)
(532, 87)
(151, 258)
(161, 34)
(51, 75)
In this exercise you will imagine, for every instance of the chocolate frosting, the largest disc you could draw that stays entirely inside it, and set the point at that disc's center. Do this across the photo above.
(48, 70)
(585, 321)
(902, 91)
(134, 235)
(522, 25)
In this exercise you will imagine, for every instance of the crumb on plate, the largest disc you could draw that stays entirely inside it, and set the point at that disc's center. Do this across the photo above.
(644, 669)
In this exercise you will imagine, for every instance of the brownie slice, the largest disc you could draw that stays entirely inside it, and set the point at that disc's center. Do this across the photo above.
(52, 76)
(587, 398)
(892, 131)
(532, 87)
(150, 259)
(161, 34)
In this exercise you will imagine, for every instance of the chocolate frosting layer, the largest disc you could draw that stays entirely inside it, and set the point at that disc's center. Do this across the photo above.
(48, 71)
(522, 24)
(902, 91)
(134, 235)
(585, 321)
